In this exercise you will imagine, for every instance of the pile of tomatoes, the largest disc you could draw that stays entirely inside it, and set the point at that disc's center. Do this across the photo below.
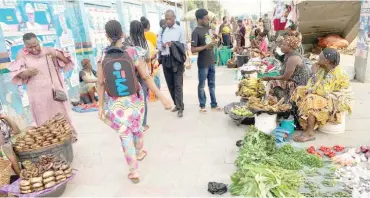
(329, 152)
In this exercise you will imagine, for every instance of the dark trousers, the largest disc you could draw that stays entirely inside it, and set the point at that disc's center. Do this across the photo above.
(174, 83)
(207, 73)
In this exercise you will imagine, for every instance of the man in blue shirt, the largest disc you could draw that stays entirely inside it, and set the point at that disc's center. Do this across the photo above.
(172, 37)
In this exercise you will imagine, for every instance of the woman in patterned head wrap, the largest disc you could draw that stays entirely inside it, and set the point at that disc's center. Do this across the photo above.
(325, 97)
(293, 72)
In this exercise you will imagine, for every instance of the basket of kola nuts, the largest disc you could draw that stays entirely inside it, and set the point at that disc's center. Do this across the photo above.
(51, 133)
(47, 173)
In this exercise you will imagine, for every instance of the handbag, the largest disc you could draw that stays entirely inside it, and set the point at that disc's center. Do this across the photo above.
(58, 95)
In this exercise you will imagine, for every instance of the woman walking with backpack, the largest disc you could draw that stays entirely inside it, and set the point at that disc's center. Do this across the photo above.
(125, 106)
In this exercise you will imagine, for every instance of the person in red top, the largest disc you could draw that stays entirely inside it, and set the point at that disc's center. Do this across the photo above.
(259, 44)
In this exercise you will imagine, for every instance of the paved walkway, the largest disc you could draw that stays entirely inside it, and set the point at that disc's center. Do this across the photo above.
(184, 154)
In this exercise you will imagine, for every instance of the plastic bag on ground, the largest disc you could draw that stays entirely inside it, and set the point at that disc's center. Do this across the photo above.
(333, 41)
(217, 188)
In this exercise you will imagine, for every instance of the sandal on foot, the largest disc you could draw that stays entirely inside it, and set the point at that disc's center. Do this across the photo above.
(146, 127)
(304, 138)
(144, 154)
(217, 108)
(134, 178)
(203, 110)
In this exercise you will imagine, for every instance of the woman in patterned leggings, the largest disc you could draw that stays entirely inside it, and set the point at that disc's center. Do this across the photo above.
(126, 114)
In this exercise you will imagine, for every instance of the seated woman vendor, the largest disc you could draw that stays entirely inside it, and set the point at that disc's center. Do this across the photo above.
(325, 98)
(293, 72)
(87, 82)
(7, 128)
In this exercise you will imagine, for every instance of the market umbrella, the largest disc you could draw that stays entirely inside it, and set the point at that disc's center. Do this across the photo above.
(189, 16)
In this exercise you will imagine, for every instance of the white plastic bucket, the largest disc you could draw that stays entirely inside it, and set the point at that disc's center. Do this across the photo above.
(265, 122)
(334, 128)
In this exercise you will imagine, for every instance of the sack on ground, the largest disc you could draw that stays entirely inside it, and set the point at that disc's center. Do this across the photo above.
(333, 41)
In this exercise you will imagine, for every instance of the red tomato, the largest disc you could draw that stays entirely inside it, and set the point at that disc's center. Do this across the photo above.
(324, 149)
(338, 148)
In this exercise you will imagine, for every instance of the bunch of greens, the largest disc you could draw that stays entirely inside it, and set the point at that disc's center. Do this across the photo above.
(257, 149)
(294, 159)
(263, 170)
(265, 181)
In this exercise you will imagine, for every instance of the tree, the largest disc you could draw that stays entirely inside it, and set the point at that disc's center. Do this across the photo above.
(213, 6)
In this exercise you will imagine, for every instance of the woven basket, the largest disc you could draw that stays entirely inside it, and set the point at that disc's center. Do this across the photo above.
(5, 171)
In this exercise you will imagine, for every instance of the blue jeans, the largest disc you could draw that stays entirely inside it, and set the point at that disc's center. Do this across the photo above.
(207, 73)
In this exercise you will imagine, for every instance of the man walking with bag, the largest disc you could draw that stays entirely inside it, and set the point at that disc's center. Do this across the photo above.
(172, 46)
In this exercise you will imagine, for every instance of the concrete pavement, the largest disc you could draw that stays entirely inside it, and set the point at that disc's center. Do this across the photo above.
(183, 154)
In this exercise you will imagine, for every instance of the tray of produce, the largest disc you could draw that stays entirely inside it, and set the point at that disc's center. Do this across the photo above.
(242, 115)
(53, 132)
(47, 177)
(230, 106)
(270, 106)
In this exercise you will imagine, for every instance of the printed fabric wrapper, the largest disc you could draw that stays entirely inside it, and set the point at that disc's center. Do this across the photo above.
(14, 188)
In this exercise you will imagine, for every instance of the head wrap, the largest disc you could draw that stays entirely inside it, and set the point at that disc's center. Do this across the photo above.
(332, 55)
(85, 61)
(293, 42)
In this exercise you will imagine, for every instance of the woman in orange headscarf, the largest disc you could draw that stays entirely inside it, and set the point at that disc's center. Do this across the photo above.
(151, 37)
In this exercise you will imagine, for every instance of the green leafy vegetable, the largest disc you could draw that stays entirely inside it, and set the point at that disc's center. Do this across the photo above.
(263, 170)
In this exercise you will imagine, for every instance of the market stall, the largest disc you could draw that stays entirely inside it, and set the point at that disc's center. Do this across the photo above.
(45, 153)
(268, 169)
(47, 177)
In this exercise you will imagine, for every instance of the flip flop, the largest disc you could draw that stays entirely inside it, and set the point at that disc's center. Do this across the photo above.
(217, 109)
(134, 179)
(143, 157)
(203, 110)
(300, 138)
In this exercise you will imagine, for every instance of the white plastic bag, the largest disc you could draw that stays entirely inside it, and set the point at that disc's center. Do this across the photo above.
(265, 122)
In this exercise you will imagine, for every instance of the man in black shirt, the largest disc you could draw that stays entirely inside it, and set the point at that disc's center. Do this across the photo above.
(202, 43)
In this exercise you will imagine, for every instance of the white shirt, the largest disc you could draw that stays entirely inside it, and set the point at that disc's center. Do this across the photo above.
(175, 33)
(33, 27)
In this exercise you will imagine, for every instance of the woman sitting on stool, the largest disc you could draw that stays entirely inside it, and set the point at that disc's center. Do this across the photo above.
(87, 82)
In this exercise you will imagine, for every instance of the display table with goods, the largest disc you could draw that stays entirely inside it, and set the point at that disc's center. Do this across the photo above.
(53, 137)
(47, 177)
(267, 169)
(259, 68)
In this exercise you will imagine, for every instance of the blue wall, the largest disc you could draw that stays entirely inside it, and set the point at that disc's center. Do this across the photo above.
(84, 42)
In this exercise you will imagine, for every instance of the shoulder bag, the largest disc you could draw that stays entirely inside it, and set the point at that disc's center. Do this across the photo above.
(58, 95)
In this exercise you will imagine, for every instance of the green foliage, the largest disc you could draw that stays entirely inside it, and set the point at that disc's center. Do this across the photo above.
(263, 170)
(213, 6)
